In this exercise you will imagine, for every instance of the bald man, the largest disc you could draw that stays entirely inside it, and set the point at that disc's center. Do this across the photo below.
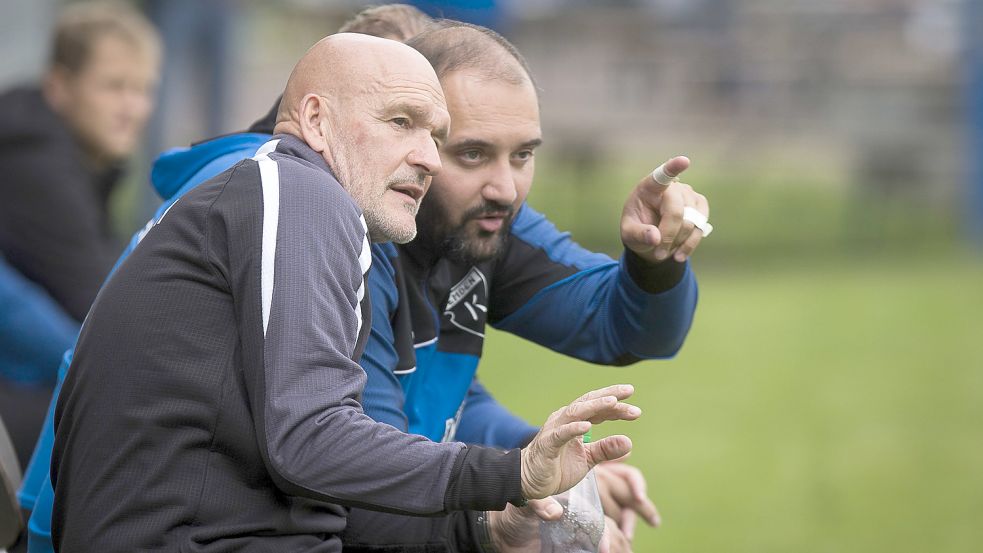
(212, 404)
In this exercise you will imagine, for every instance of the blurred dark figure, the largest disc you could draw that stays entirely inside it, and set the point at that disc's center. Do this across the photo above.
(62, 146)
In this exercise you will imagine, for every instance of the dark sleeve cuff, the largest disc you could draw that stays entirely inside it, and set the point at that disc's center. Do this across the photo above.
(653, 278)
(484, 479)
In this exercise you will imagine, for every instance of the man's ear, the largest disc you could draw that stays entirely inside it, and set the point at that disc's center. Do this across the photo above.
(56, 87)
(314, 123)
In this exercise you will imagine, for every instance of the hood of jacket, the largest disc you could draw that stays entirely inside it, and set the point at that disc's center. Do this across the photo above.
(178, 167)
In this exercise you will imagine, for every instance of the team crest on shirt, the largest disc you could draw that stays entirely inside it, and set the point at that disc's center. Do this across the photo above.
(467, 304)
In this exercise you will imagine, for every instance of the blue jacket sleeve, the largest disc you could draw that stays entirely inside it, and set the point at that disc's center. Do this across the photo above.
(382, 398)
(34, 330)
(587, 305)
(485, 421)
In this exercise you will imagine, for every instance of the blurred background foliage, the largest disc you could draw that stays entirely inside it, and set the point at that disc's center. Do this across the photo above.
(770, 217)
(816, 407)
(830, 395)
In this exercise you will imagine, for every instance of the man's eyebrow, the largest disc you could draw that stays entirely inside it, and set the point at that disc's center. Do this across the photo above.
(478, 143)
(421, 115)
(471, 143)
(413, 110)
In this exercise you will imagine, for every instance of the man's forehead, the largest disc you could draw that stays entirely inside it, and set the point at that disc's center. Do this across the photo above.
(424, 89)
(506, 116)
(385, 89)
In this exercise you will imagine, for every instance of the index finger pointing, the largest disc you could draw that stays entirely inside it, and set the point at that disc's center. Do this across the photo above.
(665, 173)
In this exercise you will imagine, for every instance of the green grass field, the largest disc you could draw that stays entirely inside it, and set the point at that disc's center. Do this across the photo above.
(834, 407)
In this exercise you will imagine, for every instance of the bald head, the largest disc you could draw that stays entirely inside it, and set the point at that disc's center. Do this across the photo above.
(349, 65)
(373, 108)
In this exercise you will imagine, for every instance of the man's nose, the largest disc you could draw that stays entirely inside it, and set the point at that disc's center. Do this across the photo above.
(500, 187)
(138, 103)
(425, 157)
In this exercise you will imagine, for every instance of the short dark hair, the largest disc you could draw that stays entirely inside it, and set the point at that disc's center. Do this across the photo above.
(396, 21)
(454, 45)
(80, 25)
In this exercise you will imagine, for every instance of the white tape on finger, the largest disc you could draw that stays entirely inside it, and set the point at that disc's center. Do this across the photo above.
(698, 219)
(660, 176)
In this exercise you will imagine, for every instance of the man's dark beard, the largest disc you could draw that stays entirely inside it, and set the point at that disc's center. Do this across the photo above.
(454, 243)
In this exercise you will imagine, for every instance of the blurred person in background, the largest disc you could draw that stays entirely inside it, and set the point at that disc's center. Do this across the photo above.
(62, 149)
(63, 145)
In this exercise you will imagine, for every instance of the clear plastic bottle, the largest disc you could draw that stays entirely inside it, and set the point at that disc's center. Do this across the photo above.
(580, 528)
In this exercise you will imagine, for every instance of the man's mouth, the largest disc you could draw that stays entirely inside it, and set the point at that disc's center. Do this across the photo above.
(491, 222)
(411, 189)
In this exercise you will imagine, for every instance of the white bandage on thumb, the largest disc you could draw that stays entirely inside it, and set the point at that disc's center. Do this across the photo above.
(660, 176)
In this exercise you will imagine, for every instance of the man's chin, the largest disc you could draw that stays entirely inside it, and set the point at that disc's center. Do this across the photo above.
(396, 228)
(483, 246)
(399, 236)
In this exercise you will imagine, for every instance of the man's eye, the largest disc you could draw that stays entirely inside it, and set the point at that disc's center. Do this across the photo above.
(524, 155)
(401, 122)
(471, 155)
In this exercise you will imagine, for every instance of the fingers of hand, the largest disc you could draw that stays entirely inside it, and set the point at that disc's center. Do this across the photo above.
(601, 409)
(546, 509)
(608, 484)
(641, 503)
(610, 506)
(622, 488)
(638, 236)
(686, 247)
(606, 449)
(562, 434)
(670, 220)
(663, 174)
(627, 522)
(644, 506)
(617, 542)
(613, 489)
(620, 391)
(617, 412)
